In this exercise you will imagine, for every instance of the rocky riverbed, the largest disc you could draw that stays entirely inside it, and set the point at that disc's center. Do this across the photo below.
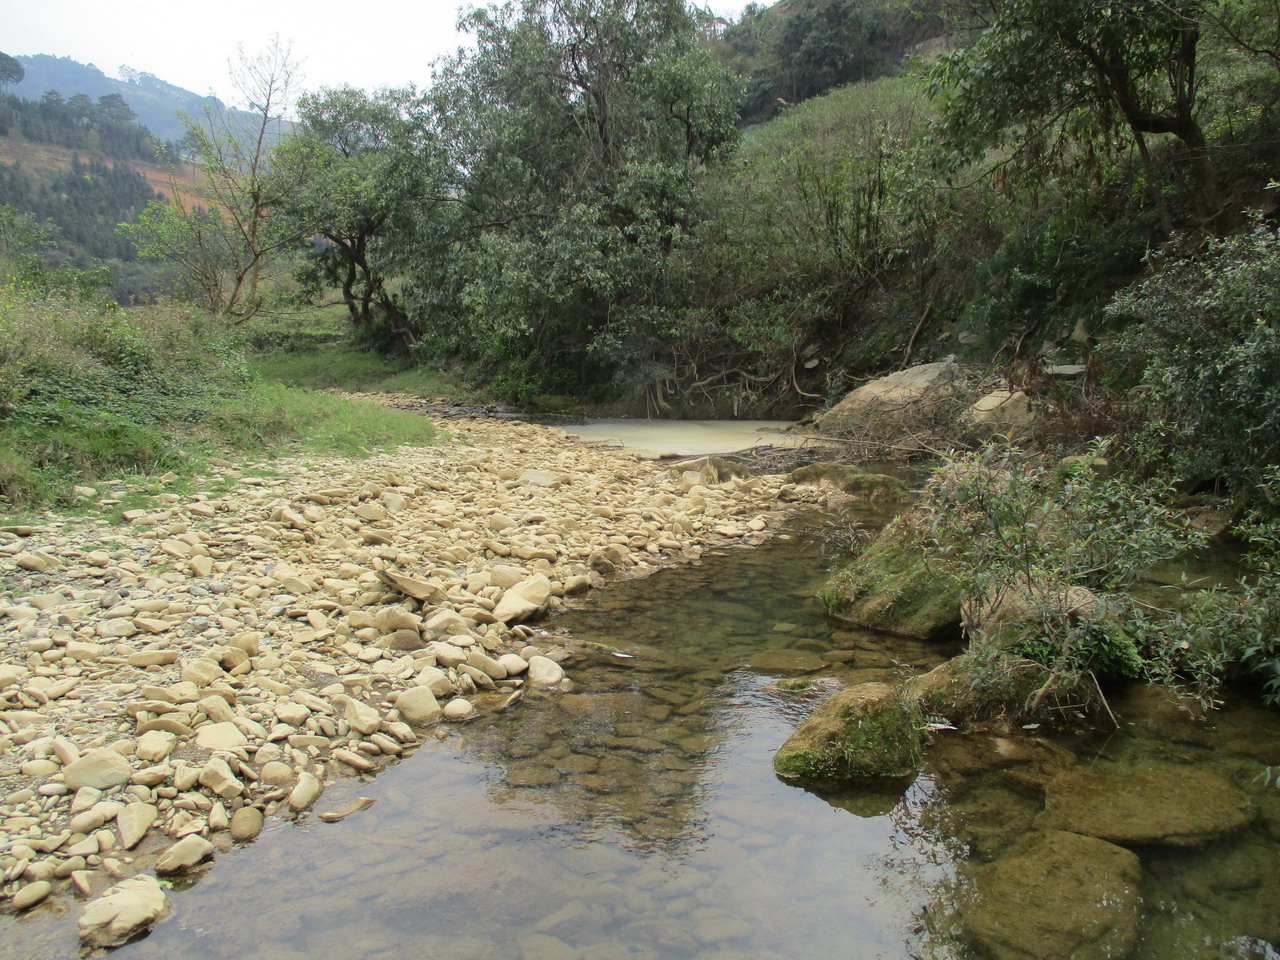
(170, 681)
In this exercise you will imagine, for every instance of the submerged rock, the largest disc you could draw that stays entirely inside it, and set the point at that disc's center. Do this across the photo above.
(875, 487)
(869, 730)
(787, 661)
(1167, 805)
(1057, 896)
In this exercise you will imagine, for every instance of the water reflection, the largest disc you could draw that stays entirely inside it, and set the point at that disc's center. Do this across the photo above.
(638, 817)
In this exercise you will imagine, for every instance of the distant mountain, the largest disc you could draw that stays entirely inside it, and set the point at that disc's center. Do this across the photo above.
(156, 102)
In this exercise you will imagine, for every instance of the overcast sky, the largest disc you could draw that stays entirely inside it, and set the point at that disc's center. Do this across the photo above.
(377, 43)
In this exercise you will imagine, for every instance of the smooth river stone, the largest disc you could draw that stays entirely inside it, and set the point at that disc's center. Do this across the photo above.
(1178, 806)
(101, 770)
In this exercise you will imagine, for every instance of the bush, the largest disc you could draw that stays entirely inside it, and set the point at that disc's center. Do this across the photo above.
(1206, 343)
(1045, 556)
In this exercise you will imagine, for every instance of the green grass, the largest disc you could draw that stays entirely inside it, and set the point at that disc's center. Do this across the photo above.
(96, 395)
(40, 463)
(337, 366)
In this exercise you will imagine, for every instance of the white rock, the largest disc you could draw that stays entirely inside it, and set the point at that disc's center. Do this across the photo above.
(184, 854)
(362, 717)
(458, 710)
(418, 706)
(154, 745)
(304, 792)
(513, 664)
(133, 822)
(544, 672)
(101, 769)
(216, 775)
(124, 911)
(435, 680)
(220, 736)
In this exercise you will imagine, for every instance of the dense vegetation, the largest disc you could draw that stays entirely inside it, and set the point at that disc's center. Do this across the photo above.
(90, 390)
(628, 203)
(575, 208)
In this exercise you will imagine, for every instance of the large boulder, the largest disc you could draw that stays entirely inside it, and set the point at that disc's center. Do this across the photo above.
(128, 909)
(899, 403)
(868, 730)
(1167, 805)
(891, 588)
(1001, 413)
(1057, 896)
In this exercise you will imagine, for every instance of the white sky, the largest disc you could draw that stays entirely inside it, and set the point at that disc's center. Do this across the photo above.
(370, 44)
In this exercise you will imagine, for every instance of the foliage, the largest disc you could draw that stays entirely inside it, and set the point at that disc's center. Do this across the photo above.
(375, 164)
(821, 206)
(575, 130)
(1206, 343)
(1050, 77)
(1045, 558)
(1050, 279)
(79, 123)
(88, 389)
(1242, 625)
(221, 251)
(11, 70)
(795, 51)
(25, 248)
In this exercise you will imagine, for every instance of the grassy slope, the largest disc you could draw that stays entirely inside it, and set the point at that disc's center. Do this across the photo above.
(111, 400)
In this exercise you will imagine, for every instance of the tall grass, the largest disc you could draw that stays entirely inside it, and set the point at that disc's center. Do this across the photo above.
(90, 391)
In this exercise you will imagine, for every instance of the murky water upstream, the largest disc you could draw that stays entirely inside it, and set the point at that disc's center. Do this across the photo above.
(639, 816)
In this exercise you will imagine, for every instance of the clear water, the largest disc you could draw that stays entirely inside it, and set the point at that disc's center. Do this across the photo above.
(639, 816)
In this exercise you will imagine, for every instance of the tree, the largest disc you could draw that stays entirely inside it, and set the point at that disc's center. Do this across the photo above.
(114, 108)
(222, 249)
(375, 161)
(11, 70)
(1044, 77)
(576, 129)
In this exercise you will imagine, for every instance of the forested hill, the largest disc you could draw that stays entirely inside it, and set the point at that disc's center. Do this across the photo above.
(80, 168)
(794, 50)
(155, 102)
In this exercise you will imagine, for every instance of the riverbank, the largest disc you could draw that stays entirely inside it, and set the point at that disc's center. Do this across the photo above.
(214, 659)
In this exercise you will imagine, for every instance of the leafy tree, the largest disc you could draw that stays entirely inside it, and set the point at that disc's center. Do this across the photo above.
(11, 70)
(375, 162)
(1045, 78)
(1208, 351)
(576, 129)
(113, 107)
(221, 250)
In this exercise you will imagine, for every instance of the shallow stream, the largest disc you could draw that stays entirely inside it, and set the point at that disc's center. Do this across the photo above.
(639, 816)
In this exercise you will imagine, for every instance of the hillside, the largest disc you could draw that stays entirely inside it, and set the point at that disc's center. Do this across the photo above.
(156, 102)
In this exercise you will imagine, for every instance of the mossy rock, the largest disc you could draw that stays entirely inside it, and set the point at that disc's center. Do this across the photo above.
(891, 588)
(872, 487)
(1057, 896)
(869, 730)
(986, 682)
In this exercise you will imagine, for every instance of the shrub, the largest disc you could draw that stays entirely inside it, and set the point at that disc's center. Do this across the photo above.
(1207, 345)
(1044, 557)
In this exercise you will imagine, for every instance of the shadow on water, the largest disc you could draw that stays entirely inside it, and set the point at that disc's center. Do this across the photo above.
(639, 817)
